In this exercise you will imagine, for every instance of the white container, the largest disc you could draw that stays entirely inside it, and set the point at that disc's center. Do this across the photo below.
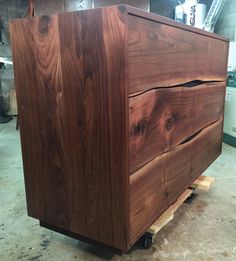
(195, 13)
(232, 57)
(230, 108)
(180, 16)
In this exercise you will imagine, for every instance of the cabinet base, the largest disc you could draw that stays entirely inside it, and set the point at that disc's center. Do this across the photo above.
(80, 237)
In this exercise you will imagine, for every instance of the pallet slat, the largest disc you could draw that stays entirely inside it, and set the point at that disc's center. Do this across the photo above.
(155, 228)
(168, 215)
(201, 183)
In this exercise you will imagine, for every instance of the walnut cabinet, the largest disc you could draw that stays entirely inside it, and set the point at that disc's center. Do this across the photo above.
(120, 110)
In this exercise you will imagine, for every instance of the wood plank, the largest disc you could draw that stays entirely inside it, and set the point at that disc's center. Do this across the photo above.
(156, 186)
(160, 223)
(161, 55)
(185, 195)
(13, 104)
(162, 118)
(203, 183)
(147, 196)
(75, 147)
(205, 153)
(168, 215)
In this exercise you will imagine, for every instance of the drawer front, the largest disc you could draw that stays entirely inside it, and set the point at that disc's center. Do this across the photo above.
(203, 153)
(162, 118)
(158, 184)
(161, 55)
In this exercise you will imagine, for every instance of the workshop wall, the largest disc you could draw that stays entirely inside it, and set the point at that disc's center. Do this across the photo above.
(55, 6)
(167, 7)
(226, 24)
(10, 9)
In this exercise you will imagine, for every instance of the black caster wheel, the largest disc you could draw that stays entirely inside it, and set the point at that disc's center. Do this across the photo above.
(147, 241)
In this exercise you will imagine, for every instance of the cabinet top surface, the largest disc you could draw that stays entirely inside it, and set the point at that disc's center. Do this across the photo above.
(149, 16)
(164, 20)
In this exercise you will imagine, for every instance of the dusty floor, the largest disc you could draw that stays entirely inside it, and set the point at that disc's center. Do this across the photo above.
(202, 230)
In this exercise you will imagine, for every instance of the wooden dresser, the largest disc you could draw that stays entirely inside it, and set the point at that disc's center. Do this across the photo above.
(120, 110)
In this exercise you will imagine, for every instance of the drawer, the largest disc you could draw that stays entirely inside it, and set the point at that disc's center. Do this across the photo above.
(162, 118)
(161, 55)
(159, 183)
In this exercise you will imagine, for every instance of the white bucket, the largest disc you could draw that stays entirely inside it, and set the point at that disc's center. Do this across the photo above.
(195, 13)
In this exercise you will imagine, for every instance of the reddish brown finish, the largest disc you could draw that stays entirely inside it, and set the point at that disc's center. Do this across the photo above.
(162, 118)
(205, 151)
(75, 80)
(72, 100)
(161, 55)
(158, 184)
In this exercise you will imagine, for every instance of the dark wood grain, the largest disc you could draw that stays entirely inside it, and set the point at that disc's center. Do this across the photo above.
(162, 118)
(158, 184)
(72, 100)
(161, 56)
(204, 153)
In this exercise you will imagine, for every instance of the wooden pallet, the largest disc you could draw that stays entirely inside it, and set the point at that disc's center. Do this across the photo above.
(201, 183)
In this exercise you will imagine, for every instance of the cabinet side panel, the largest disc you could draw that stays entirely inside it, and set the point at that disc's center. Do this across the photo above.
(71, 88)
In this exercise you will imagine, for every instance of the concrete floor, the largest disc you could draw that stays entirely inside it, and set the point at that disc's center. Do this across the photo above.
(202, 230)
